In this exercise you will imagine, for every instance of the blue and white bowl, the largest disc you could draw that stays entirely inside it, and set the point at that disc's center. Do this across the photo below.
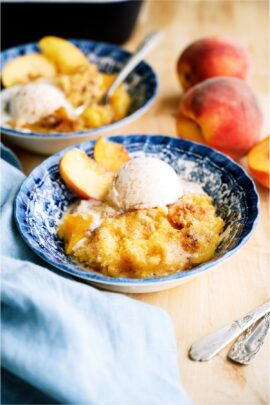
(43, 198)
(142, 85)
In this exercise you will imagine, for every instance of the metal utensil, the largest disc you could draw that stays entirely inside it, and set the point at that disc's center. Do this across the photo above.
(149, 42)
(248, 345)
(207, 347)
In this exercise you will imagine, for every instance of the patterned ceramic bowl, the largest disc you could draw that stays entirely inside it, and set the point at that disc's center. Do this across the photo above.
(142, 85)
(43, 198)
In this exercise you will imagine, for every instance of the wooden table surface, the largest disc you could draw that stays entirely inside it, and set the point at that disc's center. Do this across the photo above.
(242, 282)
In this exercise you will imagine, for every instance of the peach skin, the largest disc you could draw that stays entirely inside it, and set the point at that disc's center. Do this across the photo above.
(259, 162)
(222, 112)
(210, 57)
(83, 175)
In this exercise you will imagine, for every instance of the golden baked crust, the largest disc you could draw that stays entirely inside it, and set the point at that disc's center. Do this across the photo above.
(154, 242)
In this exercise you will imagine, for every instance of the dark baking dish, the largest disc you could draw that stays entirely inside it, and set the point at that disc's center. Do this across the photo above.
(104, 20)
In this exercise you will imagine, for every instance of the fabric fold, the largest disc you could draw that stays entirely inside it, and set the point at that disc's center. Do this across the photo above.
(67, 342)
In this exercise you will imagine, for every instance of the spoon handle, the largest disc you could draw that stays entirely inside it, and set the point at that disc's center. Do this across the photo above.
(207, 347)
(248, 345)
(149, 42)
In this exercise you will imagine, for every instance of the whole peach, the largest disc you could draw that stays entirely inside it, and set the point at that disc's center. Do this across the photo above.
(222, 112)
(210, 57)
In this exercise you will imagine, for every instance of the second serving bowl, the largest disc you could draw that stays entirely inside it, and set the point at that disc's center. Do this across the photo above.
(142, 85)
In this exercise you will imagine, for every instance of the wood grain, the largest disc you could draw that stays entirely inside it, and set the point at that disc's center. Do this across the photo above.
(242, 282)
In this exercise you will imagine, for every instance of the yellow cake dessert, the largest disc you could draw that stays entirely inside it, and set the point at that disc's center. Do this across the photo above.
(147, 242)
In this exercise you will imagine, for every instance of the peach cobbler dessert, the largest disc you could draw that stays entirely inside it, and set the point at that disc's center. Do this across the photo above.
(58, 90)
(139, 222)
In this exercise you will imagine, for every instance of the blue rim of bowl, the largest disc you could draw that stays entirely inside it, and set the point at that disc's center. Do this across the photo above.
(104, 128)
(102, 279)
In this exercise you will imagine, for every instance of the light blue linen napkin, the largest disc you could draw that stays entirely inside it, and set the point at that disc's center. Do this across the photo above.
(67, 342)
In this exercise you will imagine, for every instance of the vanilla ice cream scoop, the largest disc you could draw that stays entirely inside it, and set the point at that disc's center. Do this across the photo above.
(34, 101)
(145, 183)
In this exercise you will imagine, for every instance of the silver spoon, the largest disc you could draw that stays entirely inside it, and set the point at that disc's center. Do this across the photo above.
(207, 347)
(149, 42)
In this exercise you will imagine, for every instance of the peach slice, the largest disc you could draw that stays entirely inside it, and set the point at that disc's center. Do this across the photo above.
(66, 56)
(25, 68)
(107, 80)
(190, 128)
(110, 155)
(73, 229)
(259, 162)
(83, 175)
(120, 102)
(96, 116)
